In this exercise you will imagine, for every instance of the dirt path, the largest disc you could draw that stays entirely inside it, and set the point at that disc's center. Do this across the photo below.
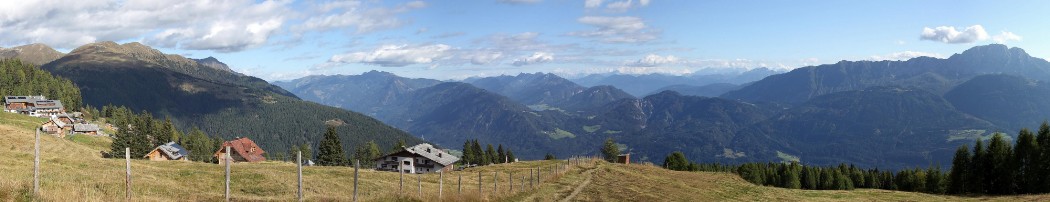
(579, 188)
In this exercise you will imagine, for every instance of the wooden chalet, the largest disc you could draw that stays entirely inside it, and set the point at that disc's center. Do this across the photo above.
(56, 127)
(422, 158)
(38, 106)
(168, 152)
(244, 150)
(87, 129)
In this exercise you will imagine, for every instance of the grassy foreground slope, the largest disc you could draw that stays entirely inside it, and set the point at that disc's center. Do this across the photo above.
(72, 170)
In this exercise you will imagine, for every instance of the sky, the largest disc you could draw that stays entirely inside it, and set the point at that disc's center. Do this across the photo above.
(285, 39)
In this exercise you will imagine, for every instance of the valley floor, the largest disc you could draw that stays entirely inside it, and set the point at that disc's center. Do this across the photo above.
(73, 170)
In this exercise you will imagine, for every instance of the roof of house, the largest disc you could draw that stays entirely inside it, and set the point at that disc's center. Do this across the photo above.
(85, 127)
(428, 151)
(26, 99)
(48, 104)
(58, 122)
(242, 146)
(172, 150)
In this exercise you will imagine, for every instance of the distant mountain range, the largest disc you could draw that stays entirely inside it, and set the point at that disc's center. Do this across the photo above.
(207, 94)
(886, 114)
(647, 84)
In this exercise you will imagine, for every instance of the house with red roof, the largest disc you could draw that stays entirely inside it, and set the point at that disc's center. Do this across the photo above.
(243, 150)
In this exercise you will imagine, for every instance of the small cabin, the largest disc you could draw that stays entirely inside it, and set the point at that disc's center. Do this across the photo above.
(422, 158)
(168, 152)
(87, 129)
(243, 150)
(624, 158)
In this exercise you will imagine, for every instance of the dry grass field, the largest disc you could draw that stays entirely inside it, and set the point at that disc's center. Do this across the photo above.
(73, 170)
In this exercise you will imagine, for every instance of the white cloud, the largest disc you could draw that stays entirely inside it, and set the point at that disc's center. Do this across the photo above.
(592, 3)
(622, 6)
(948, 34)
(190, 24)
(1006, 36)
(396, 55)
(904, 55)
(653, 70)
(616, 29)
(483, 57)
(520, 1)
(653, 60)
(354, 15)
(537, 57)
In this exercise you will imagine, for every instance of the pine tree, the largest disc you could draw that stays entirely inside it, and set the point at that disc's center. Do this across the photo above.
(1002, 169)
(490, 155)
(1043, 164)
(549, 156)
(479, 153)
(610, 150)
(468, 153)
(979, 169)
(958, 177)
(935, 182)
(510, 156)
(330, 150)
(789, 176)
(501, 156)
(1026, 158)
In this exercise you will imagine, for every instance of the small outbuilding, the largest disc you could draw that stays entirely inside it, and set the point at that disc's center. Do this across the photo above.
(87, 129)
(624, 158)
(168, 152)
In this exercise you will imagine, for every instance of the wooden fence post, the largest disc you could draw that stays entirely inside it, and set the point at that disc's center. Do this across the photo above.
(127, 176)
(480, 193)
(36, 165)
(299, 166)
(510, 182)
(460, 183)
(419, 182)
(523, 182)
(495, 182)
(227, 159)
(357, 163)
(400, 178)
(441, 185)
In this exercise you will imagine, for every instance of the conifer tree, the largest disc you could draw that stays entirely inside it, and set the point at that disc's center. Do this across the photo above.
(610, 150)
(1002, 165)
(1043, 164)
(959, 176)
(676, 161)
(501, 156)
(549, 156)
(979, 169)
(468, 153)
(330, 150)
(789, 176)
(510, 156)
(490, 156)
(1026, 158)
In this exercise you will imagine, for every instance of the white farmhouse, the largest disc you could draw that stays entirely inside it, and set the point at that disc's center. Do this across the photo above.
(422, 158)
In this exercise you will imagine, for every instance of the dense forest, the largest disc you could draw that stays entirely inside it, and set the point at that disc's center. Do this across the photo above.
(473, 154)
(22, 78)
(996, 169)
(142, 132)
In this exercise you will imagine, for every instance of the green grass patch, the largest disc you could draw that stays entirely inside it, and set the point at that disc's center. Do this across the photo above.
(784, 157)
(559, 134)
(591, 129)
(94, 142)
(21, 121)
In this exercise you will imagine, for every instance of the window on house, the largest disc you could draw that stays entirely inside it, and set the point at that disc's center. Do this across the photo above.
(428, 150)
(439, 155)
(408, 163)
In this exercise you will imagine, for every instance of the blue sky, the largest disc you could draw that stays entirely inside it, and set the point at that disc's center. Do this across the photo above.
(280, 40)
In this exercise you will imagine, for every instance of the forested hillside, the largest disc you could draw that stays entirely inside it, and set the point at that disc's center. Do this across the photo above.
(21, 78)
(222, 103)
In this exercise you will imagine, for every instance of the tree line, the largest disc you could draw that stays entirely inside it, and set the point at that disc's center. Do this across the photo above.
(996, 169)
(999, 168)
(473, 154)
(331, 152)
(21, 78)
